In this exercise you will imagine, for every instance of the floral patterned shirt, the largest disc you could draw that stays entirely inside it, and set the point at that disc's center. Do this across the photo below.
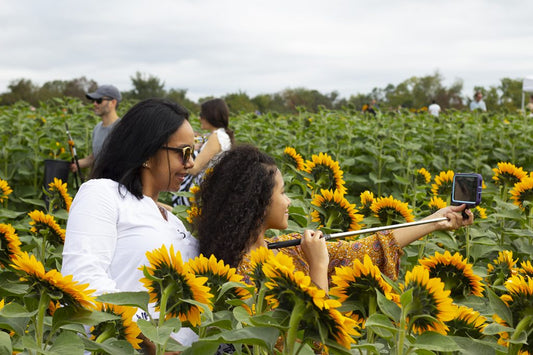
(381, 247)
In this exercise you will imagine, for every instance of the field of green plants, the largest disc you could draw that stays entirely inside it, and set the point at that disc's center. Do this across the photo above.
(468, 291)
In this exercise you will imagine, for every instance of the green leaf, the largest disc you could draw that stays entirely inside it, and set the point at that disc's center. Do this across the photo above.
(406, 298)
(478, 347)
(138, 299)
(70, 315)
(263, 336)
(5, 344)
(436, 342)
(15, 310)
(158, 335)
(388, 307)
(499, 307)
(67, 343)
(381, 325)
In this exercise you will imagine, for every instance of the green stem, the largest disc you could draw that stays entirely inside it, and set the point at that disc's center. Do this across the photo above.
(331, 219)
(402, 332)
(44, 235)
(44, 300)
(294, 322)
(372, 307)
(524, 325)
(467, 243)
(167, 291)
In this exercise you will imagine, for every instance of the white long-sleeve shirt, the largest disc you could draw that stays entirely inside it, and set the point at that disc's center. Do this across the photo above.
(109, 232)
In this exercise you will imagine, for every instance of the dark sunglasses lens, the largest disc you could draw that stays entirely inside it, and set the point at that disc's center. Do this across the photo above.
(186, 154)
(98, 101)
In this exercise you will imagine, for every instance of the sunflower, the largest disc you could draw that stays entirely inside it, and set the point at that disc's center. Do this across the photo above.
(480, 212)
(367, 198)
(338, 211)
(320, 318)
(436, 203)
(455, 272)
(69, 291)
(258, 257)
(358, 285)
(443, 183)
(388, 209)
(326, 172)
(193, 190)
(526, 269)
(5, 190)
(168, 275)
(122, 329)
(192, 213)
(508, 174)
(429, 298)
(45, 222)
(9, 243)
(501, 268)
(218, 274)
(519, 296)
(58, 187)
(522, 191)
(467, 323)
(293, 158)
(423, 176)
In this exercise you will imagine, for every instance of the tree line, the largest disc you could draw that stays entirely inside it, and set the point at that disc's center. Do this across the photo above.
(413, 94)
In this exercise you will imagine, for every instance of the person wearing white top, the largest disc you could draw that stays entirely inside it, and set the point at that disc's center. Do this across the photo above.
(434, 109)
(115, 217)
(214, 117)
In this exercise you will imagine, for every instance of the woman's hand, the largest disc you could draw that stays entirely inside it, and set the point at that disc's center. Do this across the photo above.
(316, 253)
(455, 217)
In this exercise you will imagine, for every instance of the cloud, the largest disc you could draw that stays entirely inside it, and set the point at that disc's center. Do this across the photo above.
(218, 47)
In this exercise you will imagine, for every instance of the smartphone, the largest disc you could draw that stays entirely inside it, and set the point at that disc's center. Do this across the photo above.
(466, 189)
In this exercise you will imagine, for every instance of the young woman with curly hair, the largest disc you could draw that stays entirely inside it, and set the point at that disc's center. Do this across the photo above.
(244, 196)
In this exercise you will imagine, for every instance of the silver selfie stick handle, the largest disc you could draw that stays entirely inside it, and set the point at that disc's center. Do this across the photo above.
(293, 242)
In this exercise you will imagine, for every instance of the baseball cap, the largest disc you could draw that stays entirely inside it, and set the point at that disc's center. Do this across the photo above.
(105, 91)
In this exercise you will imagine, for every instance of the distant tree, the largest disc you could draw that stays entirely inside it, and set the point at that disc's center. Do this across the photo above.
(310, 99)
(180, 96)
(270, 103)
(511, 93)
(239, 102)
(20, 89)
(145, 87)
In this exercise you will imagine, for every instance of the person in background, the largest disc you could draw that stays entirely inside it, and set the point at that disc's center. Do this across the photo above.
(244, 196)
(529, 106)
(214, 117)
(115, 217)
(478, 103)
(105, 102)
(434, 108)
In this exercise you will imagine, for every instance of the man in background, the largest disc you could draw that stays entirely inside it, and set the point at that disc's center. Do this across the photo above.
(478, 103)
(105, 102)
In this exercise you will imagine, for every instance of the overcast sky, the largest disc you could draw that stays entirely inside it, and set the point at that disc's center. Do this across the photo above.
(213, 48)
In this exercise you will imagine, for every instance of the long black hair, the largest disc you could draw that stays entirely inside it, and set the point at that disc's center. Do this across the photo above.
(233, 200)
(137, 136)
(216, 112)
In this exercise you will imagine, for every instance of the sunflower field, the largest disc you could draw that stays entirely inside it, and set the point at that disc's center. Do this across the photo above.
(468, 291)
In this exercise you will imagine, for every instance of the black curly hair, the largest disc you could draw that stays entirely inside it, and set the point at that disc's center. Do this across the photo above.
(233, 200)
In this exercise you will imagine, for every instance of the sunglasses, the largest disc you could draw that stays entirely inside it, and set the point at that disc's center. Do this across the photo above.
(185, 153)
(99, 101)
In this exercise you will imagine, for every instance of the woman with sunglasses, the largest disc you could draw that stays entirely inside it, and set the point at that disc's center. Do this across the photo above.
(115, 217)
(244, 196)
(214, 117)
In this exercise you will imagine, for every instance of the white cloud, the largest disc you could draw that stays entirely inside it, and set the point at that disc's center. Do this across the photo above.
(217, 47)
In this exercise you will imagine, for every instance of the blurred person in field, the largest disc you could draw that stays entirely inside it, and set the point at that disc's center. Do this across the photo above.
(434, 109)
(529, 106)
(105, 101)
(214, 118)
(478, 103)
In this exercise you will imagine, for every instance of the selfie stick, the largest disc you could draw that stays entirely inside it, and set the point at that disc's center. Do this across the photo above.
(293, 242)
(77, 174)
